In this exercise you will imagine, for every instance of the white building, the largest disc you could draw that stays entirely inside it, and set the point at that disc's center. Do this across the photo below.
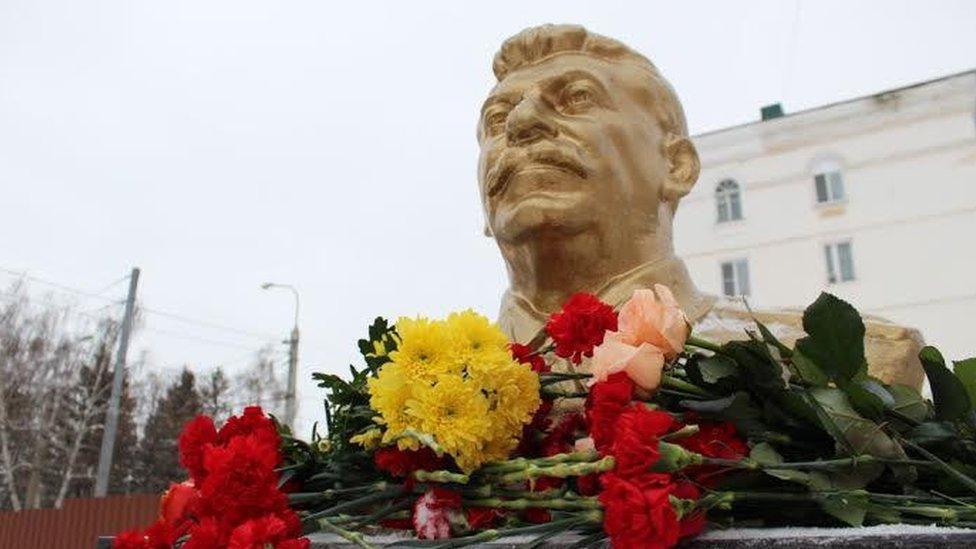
(872, 199)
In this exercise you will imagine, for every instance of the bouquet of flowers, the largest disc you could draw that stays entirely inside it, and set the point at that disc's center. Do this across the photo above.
(616, 425)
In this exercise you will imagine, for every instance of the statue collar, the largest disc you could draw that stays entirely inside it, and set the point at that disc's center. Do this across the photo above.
(523, 322)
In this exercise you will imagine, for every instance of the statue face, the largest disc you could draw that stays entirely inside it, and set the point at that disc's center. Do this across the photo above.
(568, 144)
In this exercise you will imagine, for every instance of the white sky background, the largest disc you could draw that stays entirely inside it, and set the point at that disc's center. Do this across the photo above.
(331, 145)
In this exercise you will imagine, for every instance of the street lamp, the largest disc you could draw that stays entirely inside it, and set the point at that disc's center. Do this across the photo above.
(290, 405)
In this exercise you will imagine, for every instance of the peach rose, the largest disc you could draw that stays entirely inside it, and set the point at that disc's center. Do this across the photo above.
(644, 363)
(654, 320)
(650, 331)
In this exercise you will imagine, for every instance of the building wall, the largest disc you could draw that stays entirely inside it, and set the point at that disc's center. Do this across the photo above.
(908, 158)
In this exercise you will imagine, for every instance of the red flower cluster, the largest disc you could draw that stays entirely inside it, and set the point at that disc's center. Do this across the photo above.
(401, 463)
(606, 401)
(232, 498)
(637, 502)
(435, 512)
(580, 326)
(713, 439)
(525, 355)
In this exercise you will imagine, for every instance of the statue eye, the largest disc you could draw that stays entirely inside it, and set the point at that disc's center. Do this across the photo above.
(577, 98)
(495, 122)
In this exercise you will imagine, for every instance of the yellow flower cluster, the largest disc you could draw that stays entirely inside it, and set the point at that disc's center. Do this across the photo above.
(454, 382)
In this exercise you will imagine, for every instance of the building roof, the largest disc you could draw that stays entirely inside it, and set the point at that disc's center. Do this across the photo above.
(838, 103)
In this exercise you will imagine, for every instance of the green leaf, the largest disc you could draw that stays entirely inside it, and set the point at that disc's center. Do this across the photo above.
(716, 367)
(863, 435)
(848, 509)
(772, 341)
(764, 454)
(759, 370)
(865, 401)
(737, 408)
(966, 372)
(951, 398)
(908, 402)
(807, 370)
(933, 432)
(835, 340)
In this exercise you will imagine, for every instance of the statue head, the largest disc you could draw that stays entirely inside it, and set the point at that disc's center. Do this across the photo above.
(580, 134)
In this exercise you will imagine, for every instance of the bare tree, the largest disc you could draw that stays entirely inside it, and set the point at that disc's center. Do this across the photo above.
(260, 385)
(215, 394)
(54, 379)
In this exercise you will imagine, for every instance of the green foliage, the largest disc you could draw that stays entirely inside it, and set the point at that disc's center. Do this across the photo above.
(951, 397)
(381, 342)
(966, 372)
(835, 338)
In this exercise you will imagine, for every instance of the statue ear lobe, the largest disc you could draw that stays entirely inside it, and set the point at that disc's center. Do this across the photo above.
(683, 166)
(487, 230)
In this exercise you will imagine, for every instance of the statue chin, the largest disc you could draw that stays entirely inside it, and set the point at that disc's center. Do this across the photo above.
(540, 214)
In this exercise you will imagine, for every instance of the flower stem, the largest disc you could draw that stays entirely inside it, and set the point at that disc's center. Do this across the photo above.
(950, 470)
(562, 470)
(354, 504)
(681, 385)
(305, 497)
(354, 537)
(440, 477)
(747, 463)
(522, 504)
(519, 464)
(703, 344)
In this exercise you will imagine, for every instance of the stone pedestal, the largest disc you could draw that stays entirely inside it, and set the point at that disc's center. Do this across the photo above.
(874, 537)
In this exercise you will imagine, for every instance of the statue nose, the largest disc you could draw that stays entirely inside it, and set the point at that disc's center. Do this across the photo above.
(526, 124)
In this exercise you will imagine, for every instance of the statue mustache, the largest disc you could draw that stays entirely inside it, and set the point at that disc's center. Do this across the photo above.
(514, 159)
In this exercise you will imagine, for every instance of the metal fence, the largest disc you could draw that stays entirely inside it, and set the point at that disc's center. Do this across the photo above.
(78, 524)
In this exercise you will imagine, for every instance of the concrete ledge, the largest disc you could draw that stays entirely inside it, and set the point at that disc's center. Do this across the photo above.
(880, 537)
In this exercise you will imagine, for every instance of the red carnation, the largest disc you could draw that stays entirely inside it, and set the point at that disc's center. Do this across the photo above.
(716, 440)
(241, 482)
(401, 463)
(175, 505)
(563, 435)
(638, 515)
(251, 422)
(635, 446)
(525, 355)
(206, 534)
(435, 512)
(606, 401)
(480, 518)
(197, 435)
(580, 326)
(690, 525)
(263, 532)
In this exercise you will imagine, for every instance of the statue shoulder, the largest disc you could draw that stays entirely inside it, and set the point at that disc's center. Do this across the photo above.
(891, 349)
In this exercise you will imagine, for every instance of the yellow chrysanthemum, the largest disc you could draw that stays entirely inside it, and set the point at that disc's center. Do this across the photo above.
(512, 390)
(368, 439)
(475, 334)
(426, 349)
(388, 395)
(454, 412)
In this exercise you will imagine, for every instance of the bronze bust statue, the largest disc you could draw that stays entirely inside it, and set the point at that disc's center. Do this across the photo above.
(585, 155)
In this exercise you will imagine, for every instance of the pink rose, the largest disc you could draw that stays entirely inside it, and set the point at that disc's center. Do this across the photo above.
(654, 320)
(650, 332)
(644, 364)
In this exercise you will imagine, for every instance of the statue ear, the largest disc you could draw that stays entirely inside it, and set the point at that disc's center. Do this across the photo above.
(487, 230)
(683, 166)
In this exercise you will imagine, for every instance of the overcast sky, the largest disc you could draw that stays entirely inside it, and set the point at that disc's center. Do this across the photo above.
(330, 145)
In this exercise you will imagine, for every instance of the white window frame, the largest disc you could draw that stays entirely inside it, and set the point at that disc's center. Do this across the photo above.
(838, 270)
(728, 201)
(734, 275)
(828, 176)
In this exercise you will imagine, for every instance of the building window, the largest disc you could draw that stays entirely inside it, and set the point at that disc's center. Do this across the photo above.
(729, 201)
(840, 262)
(735, 278)
(830, 186)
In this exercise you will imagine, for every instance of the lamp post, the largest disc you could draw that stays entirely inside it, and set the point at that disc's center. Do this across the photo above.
(291, 408)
